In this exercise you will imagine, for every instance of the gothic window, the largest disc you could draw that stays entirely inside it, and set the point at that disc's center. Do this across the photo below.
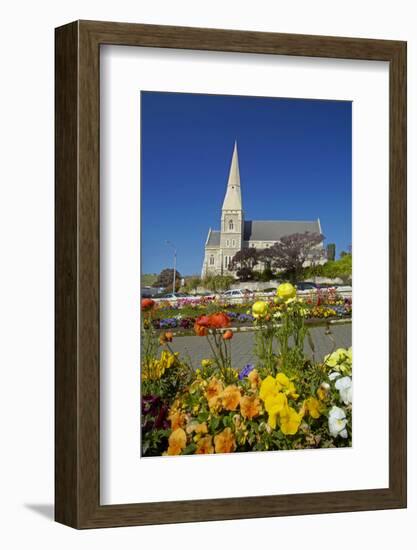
(226, 261)
(233, 243)
(227, 242)
(212, 260)
(230, 225)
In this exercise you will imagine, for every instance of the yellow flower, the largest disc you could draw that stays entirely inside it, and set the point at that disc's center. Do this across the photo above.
(274, 404)
(313, 406)
(225, 441)
(254, 379)
(322, 392)
(268, 387)
(284, 384)
(206, 362)
(177, 442)
(168, 359)
(205, 446)
(290, 420)
(250, 406)
(286, 291)
(230, 398)
(260, 309)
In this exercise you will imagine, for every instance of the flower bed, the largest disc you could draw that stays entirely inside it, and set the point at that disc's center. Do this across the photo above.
(242, 315)
(283, 401)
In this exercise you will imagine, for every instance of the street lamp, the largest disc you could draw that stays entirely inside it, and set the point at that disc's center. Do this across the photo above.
(169, 243)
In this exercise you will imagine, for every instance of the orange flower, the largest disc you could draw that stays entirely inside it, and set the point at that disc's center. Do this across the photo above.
(219, 320)
(177, 442)
(205, 446)
(177, 418)
(250, 406)
(213, 392)
(254, 379)
(225, 441)
(200, 330)
(230, 398)
(147, 304)
(203, 321)
(228, 335)
(167, 337)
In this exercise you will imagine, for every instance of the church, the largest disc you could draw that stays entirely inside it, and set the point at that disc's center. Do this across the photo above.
(237, 233)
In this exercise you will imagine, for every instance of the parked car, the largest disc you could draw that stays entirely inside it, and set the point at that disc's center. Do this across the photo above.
(172, 296)
(237, 293)
(305, 287)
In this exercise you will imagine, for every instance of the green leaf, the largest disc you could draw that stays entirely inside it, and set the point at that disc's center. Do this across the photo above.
(190, 449)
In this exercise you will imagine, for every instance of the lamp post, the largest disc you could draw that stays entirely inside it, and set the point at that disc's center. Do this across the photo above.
(169, 243)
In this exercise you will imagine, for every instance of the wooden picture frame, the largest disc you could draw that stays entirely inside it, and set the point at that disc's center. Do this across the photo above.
(77, 406)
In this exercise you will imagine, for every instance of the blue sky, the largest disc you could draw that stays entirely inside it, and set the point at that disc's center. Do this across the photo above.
(294, 157)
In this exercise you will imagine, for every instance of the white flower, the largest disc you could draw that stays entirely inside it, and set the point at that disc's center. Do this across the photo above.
(337, 422)
(344, 385)
(334, 375)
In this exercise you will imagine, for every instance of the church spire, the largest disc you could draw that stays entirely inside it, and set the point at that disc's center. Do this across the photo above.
(233, 198)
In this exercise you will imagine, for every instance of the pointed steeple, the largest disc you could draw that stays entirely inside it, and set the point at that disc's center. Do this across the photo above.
(233, 198)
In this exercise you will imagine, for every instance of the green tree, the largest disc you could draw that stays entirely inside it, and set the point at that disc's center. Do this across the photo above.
(292, 251)
(246, 258)
(218, 283)
(166, 279)
(148, 279)
(192, 283)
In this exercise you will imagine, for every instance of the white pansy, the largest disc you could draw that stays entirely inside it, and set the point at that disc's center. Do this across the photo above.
(337, 422)
(344, 385)
(334, 375)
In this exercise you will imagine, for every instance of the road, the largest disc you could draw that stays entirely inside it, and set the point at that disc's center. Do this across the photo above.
(197, 347)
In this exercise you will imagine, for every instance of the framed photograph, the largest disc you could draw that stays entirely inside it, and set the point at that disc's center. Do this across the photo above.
(230, 274)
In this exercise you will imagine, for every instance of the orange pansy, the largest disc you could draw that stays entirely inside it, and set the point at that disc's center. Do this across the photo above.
(177, 442)
(225, 441)
(205, 446)
(250, 406)
(230, 397)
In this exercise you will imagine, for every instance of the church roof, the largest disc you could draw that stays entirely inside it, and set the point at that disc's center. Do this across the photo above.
(214, 238)
(275, 230)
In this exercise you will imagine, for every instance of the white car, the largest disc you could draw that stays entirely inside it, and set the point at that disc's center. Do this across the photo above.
(237, 293)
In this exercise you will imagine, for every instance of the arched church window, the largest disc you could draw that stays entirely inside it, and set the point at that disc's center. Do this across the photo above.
(227, 242)
(212, 260)
(231, 225)
(233, 243)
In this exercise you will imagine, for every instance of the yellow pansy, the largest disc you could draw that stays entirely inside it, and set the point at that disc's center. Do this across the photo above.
(313, 406)
(290, 420)
(268, 387)
(284, 384)
(274, 404)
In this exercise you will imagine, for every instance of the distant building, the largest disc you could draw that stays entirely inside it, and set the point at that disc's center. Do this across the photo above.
(237, 233)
